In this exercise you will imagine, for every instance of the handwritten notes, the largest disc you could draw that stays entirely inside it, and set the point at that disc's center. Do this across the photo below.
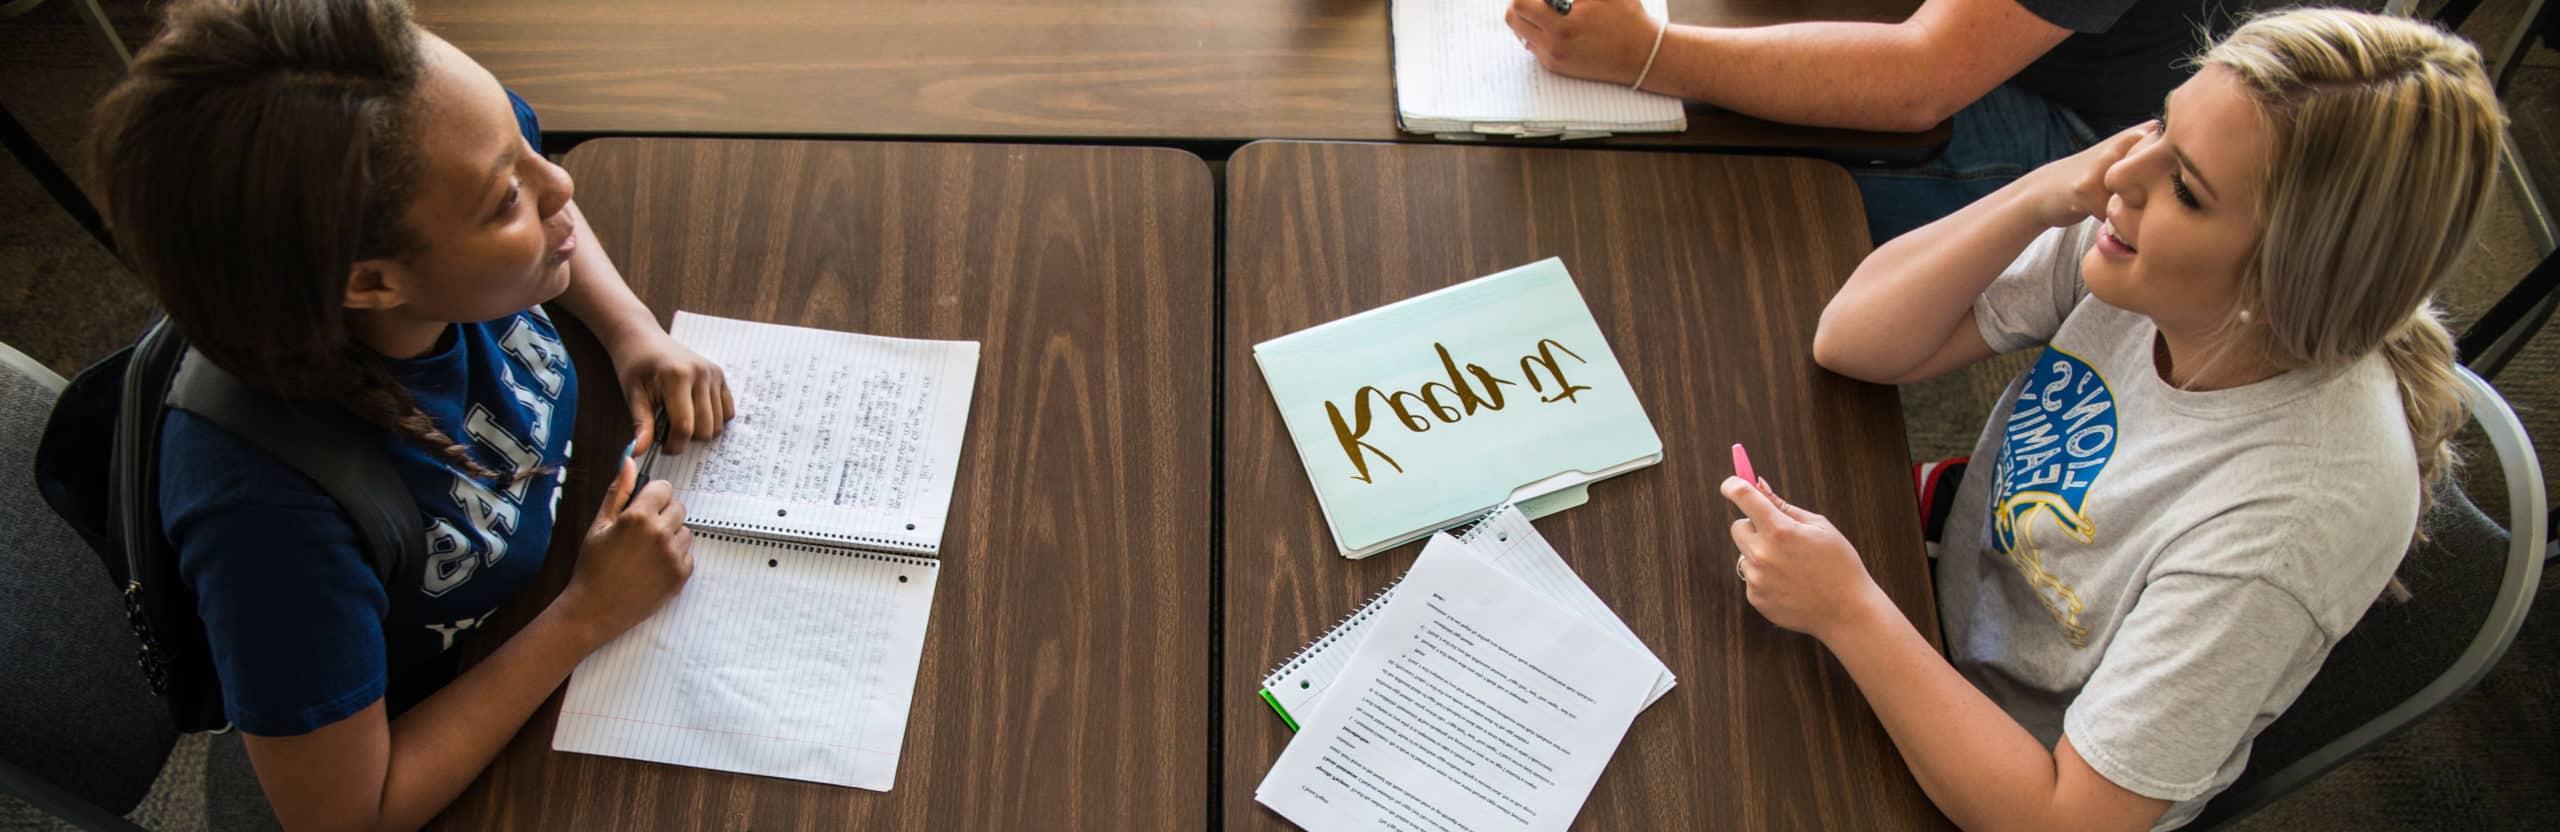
(839, 437)
(823, 432)
(1419, 414)
(1476, 703)
(793, 650)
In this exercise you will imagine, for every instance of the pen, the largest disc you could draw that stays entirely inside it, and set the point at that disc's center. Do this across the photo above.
(657, 439)
(650, 459)
(1561, 6)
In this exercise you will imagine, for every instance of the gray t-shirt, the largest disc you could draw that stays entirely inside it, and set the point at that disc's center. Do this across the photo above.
(2157, 572)
(2123, 56)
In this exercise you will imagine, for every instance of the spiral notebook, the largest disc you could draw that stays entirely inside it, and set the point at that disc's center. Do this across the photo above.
(818, 517)
(1506, 539)
(1461, 73)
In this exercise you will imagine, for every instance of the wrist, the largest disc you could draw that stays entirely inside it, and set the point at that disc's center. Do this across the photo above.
(1868, 614)
(2026, 205)
(621, 331)
(578, 621)
(1650, 56)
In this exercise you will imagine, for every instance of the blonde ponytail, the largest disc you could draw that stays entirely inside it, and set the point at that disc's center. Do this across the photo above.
(2421, 357)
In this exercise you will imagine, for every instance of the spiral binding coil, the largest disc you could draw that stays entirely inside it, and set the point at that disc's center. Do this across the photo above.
(815, 549)
(1306, 652)
(1482, 522)
(780, 531)
(1332, 634)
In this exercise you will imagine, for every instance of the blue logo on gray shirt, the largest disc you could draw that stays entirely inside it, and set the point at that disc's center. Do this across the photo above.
(2061, 432)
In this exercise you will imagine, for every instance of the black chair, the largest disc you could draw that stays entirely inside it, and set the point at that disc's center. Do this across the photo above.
(81, 735)
(2542, 22)
(2502, 331)
(2470, 584)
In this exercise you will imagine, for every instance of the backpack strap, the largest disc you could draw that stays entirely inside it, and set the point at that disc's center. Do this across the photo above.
(135, 458)
(177, 664)
(336, 451)
(339, 452)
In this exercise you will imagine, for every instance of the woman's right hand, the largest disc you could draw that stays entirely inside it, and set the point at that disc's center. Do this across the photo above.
(2073, 188)
(634, 558)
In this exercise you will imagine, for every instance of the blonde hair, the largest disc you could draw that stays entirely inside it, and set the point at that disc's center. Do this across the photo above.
(2386, 135)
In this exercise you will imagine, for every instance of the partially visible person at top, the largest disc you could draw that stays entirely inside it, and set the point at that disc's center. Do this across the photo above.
(2241, 397)
(337, 207)
(2025, 82)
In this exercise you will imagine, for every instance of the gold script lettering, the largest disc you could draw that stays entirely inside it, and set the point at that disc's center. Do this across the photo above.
(1546, 357)
(1435, 401)
(1350, 435)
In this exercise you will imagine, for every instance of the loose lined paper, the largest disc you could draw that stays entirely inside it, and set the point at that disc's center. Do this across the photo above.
(1510, 543)
(780, 659)
(1507, 541)
(1476, 703)
(839, 437)
(1460, 70)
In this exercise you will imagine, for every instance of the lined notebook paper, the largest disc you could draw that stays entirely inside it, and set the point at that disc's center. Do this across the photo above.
(779, 659)
(1506, 540)
(840, 438)
(792, 651)
(1460, 71)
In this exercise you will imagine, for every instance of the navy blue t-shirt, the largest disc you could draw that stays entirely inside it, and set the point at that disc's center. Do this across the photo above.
(2123, 56)
(303, 633)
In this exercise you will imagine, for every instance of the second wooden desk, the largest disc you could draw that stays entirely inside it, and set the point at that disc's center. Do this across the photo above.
(1707, 275)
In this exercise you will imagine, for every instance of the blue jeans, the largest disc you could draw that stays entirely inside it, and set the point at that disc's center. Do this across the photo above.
(1996, 140)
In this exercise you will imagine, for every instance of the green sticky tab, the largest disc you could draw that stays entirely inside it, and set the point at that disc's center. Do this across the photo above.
(1546, 504)
(1274, 702)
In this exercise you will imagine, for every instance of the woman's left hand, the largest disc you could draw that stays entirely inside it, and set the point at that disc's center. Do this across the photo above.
(1797, 569)
(655, 371)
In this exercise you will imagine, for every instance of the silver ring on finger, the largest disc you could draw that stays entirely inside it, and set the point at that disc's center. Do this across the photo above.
(1737, 567)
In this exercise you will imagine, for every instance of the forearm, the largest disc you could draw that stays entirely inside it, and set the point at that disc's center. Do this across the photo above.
(1865, 76)
(1977, 764)
(597, 293)
(1908, 297)
(439, 746)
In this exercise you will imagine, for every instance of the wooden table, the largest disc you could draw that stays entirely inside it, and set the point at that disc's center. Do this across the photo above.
(1217, 70)
(1707, 274)
(1066, 665)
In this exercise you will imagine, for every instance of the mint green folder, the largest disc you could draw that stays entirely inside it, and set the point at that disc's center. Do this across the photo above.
(1427, 412)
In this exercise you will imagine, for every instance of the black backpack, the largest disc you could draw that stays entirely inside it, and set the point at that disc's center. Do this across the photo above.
(98, 466)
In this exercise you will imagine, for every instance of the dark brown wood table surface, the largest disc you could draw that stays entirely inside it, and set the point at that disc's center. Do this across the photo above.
(1065, 680)
(1232, 70)
(1707, 275)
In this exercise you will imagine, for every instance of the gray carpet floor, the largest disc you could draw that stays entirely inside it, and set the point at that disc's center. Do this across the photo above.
(2489, 761)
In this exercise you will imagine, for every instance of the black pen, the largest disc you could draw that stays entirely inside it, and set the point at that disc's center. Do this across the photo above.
(657, 422)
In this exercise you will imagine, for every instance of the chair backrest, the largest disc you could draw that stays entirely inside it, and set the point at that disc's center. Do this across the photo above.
(85, 735)
(2470, 584)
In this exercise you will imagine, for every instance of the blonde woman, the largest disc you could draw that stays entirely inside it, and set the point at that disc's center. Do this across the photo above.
(2215, 462)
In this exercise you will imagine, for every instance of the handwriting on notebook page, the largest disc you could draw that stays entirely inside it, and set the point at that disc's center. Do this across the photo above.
(810, 430)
